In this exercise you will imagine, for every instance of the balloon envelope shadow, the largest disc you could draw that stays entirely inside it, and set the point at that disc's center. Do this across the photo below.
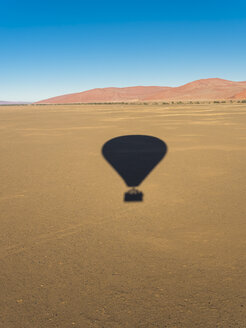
(134, 157)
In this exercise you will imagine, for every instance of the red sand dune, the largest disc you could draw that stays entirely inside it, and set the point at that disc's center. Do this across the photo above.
(205, 89)
(240, 95)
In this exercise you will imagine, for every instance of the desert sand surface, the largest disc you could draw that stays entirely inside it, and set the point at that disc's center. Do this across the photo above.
(73, 254)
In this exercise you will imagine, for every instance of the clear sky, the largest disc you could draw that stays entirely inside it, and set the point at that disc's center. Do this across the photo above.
(49, 48)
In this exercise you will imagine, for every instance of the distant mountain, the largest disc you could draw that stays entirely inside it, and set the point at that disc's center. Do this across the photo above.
(205, 89)
(13, 102)
(4, 102)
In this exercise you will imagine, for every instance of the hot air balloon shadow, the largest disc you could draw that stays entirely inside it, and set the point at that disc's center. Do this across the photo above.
(134, 157)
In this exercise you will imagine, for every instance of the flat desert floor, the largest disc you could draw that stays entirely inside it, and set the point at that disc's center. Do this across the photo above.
(73, 254)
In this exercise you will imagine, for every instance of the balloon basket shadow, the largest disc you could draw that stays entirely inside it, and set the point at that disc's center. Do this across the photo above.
(133, 195)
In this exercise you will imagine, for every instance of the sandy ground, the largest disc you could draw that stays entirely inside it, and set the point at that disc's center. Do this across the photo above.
(73, 254)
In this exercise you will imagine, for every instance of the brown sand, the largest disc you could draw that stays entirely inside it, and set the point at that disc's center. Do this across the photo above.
(73, 254)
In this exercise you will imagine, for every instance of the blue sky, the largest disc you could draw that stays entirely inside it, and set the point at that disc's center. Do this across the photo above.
(48, 48)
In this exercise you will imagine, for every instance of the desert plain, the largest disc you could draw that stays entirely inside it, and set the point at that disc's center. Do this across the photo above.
(74, 254)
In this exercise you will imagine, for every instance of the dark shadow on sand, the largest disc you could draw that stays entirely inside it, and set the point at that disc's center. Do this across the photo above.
(134, 157)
